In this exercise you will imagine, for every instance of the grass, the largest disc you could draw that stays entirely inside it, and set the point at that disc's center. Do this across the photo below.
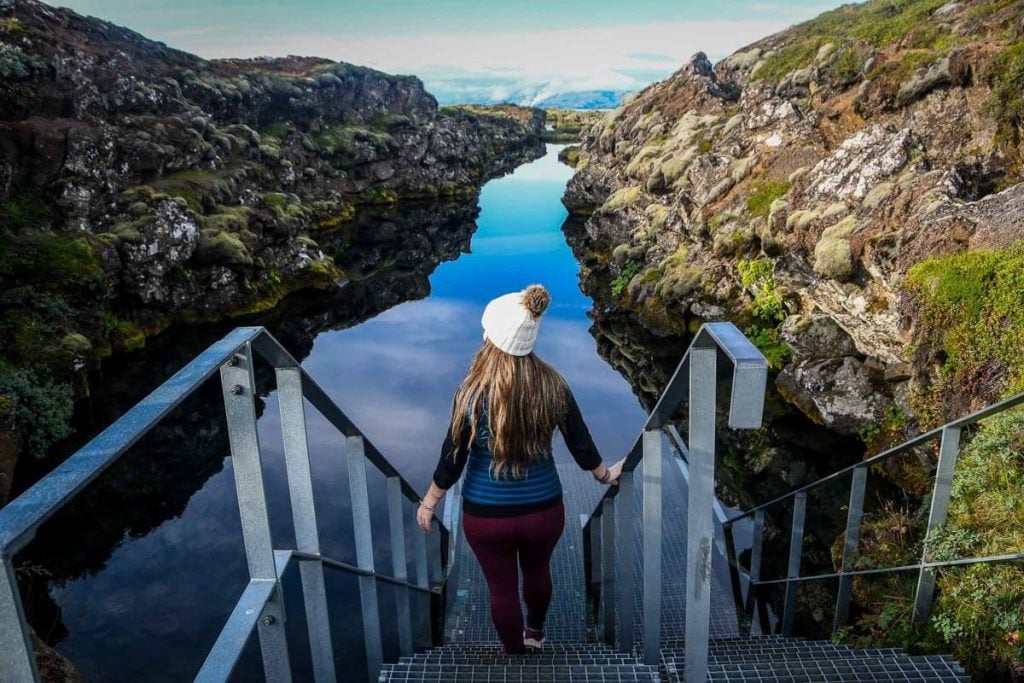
(1006, 78)
(878, 23)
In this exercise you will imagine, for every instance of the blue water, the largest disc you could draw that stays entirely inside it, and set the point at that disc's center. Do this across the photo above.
(154, 610)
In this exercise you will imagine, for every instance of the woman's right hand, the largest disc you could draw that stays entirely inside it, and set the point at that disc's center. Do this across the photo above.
(424, 516)
(614, 472)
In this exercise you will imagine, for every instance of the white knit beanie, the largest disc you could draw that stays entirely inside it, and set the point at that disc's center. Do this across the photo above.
(512, 320)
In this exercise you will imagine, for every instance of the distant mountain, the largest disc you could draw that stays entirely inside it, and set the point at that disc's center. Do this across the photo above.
(584, 99)
(477, 90)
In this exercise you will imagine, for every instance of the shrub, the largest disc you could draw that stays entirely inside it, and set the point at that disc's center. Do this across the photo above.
(14, 63)
(42, 407)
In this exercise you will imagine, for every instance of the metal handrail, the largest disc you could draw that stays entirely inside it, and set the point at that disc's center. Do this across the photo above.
(261, 605)
(694, 382)
(919, 440)
(949, 448)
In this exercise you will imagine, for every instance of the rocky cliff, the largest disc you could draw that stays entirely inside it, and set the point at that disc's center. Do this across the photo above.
(849, 191)
(142, 186)
(797, 187)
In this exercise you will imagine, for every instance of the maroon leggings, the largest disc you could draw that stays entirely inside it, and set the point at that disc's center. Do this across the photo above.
(498, 543)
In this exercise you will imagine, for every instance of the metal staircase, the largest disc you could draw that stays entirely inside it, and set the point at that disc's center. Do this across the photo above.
(647, 583)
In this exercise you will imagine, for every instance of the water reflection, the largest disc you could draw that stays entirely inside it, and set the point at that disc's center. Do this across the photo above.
(145, 598)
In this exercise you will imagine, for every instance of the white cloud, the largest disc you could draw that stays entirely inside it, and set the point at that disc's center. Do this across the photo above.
(592, 58)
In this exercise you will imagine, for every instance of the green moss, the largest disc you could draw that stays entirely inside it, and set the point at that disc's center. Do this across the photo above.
(970, 308)
(621, 198)
(769, 342)
(391, 122)
(124, 335)
(25, 212)
(381, 195)
(221, 248)
(346, 138)
(202, 189)
(1006, 78)
(763, 193)
(758, 275)
(833, 258)
(12, 25)
(277, 129)
(228, 219)
(285, 208)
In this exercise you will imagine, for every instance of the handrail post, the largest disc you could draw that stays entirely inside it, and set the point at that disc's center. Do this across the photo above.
(700, 536)
(238, 382)
(796, 544)
(858, 484)
(307, 530)
(949, 450)
(608, 570)
(17, 656)
(364, 555)
(626, 507)
(399, 565)
(755, 607)
(652, 513)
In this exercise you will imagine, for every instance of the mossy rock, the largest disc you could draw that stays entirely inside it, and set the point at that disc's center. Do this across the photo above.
(76, 345)
(228, 219)
(221, 248)
(201, 189)
(621, 199)
(833, 258)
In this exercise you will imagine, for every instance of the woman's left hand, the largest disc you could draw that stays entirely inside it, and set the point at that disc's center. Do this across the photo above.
(424, 517)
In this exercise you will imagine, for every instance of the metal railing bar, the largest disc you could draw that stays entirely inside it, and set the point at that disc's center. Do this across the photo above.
(21, 517)
(274, 353)
(902, 568)
(918, 440)
(745, 358)
(352, 569)
(323, 403)
(224, 655)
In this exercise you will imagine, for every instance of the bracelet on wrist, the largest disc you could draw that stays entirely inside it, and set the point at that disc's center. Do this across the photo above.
(424, 504)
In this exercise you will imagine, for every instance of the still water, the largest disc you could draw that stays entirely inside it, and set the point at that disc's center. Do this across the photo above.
(152, 609)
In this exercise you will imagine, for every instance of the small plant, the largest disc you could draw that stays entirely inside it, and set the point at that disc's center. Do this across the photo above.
(769, 342)
(620, 283)
(759, 276)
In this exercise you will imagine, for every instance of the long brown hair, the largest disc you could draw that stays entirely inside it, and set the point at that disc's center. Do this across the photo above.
(526, 400)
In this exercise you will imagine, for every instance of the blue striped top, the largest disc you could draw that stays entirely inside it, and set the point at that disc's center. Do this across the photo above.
(537, 483)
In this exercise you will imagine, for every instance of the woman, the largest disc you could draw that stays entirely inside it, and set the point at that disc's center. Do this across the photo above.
(504, 415)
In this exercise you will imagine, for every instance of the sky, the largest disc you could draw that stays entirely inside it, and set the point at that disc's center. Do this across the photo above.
(526, 46)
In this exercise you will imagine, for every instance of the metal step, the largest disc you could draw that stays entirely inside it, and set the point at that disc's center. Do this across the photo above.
(519, 673)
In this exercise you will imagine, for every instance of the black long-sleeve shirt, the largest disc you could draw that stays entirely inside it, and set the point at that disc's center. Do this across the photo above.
(455, 453)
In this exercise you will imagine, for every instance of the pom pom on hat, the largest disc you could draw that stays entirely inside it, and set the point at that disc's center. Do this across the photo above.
(511, 321)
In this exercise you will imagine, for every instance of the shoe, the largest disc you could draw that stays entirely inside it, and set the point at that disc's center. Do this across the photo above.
(533, 639)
